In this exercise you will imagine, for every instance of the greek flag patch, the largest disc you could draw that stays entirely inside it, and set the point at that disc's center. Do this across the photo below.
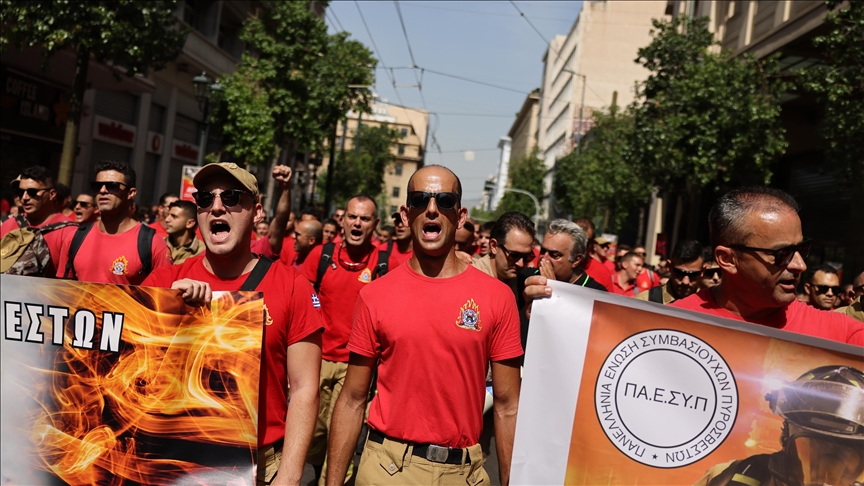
(315, 302)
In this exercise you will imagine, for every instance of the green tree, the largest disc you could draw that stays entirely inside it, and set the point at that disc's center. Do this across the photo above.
(599, 178)
(292, 86)
(701, 118)
(526, 173)
(839, 86)
(132, 35)
(362, 171)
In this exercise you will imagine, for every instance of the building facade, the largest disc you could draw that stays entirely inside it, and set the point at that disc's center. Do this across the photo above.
(412, 125)
(584, 70)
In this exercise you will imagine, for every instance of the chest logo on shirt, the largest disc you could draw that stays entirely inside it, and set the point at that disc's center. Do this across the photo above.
(469, 316)
(365, 276)
(119, 266)
(268, 320)
(315, 302)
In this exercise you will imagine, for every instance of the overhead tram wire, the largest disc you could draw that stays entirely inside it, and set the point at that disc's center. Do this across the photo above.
(331, 12)
(378, 54)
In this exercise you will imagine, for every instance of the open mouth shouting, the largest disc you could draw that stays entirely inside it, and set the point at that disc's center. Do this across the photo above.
(219, 231)
(431, 230)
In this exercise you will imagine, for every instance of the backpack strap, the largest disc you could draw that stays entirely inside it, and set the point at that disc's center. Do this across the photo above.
(257, 274)
(22, 221)
(55, 226)
(383, 261)
(145, 249)
(655, 294)
(325, 261)
(77, 240)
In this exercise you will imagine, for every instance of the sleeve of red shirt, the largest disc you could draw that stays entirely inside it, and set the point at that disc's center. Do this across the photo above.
(310, 266)
(506, 338)
(161, 253)
(306, 319)
(364, 339)
(7, 226)
(161, 277)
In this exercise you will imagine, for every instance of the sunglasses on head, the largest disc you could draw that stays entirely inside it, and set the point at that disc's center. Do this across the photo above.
(680, 274)
(823, 289)
(83, 204)
(782, 256)
(444, 200)
(33, 192)
(229, 198)
(711, 273)
(111, 186)
(515, 256)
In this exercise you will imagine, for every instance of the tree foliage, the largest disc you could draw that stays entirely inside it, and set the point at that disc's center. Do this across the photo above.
(293, 85)
(701, 118)
(600, 177)
(526, 173)
(361, 171)
(839, 86)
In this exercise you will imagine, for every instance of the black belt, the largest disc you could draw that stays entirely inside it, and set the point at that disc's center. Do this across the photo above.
(431, 452)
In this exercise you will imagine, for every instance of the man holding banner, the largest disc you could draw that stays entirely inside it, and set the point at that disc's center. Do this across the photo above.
(228, 209)
(433, 325)
(759, 246)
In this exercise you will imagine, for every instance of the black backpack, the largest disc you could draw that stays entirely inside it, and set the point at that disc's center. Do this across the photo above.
(25, 251)
(327, 261)
(145, 243)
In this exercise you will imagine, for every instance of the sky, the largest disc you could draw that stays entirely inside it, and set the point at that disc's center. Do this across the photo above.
(486, 41)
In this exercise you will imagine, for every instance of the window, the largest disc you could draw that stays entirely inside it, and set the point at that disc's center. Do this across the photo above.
(395, 191)
(401, 149)
(404, 132)
(393, 209)
(398, 169)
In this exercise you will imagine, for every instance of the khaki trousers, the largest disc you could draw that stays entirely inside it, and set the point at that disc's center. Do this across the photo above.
(392, 463)
(329, 387)
(268, 463)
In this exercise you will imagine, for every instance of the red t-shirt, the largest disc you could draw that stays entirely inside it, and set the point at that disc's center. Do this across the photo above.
(338, 293)
(396, 254)
(599, 272)
(113, 259)
(261, 246)
(796, 317)
(286, 255)
(54, 239)
(610, 265)
(629, 289)
(647, 280)
(434, 339)
(161, 232)
(290, 316)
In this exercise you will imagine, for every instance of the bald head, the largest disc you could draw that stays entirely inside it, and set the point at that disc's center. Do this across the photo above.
(447, 179)
(307, 235)
(728, 220)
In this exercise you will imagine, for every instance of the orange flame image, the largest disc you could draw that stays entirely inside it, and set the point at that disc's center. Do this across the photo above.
(179, 399)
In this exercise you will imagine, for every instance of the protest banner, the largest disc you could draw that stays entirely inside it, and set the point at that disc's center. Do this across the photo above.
(624, 392)
(106, 384)
(186, 186)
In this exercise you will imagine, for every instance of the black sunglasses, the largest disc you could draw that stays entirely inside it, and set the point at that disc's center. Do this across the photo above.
(823, 289)
(515, 256)
(680, 274)
(230, 198)
(33, 192)
(711, 273)
(444, 200)
(112, 186)
(83, 204)
(782, 256)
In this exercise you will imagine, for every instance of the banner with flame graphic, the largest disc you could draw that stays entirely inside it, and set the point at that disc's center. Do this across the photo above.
(105, 384)
(619, 391)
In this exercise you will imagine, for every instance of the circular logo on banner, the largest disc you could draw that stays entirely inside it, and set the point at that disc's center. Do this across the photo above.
(666, 398)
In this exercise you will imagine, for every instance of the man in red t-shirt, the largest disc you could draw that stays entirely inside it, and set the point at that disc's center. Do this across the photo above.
(624, 281)
(433, 325)
(274, 242)
(401, 246)
(228, 208)
(307, 236)
(109, 252)
(36, 192)
(85, 208)
(162, 212)
(353, 265)
(758, 243)
(593, 267)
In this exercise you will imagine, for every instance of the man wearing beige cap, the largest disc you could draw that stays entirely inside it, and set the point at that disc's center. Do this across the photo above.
(228, 210)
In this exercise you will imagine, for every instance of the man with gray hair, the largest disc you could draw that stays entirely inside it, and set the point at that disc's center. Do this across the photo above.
(562, 253)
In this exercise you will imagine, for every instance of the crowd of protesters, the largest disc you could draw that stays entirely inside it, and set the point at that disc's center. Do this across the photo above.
(357, 309)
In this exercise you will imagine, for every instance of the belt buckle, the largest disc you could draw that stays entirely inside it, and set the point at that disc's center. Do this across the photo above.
(436, 453)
